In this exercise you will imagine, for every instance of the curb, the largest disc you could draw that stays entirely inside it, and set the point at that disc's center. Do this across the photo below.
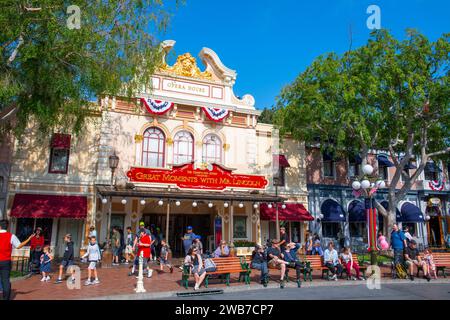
(253, 287)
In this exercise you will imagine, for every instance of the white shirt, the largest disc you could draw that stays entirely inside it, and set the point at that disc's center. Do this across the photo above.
(15, 242)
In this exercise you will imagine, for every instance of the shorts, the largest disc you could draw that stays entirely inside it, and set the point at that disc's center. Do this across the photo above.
(274, 263)
(92, 265)
(116, 251)
(66, 263)
(163, 261)
(417, 263)
(128, 249)
(195, 270)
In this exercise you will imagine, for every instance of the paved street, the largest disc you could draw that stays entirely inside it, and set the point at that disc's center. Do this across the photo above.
(405, 290)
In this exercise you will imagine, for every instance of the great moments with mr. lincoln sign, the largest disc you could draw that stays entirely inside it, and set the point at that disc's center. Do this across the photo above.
(189, 176)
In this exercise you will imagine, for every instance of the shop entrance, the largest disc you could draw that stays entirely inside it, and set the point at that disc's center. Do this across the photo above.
(201, 224)
(435, 232)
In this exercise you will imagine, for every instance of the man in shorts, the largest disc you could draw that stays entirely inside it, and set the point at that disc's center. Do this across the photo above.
(129, 252)
(67, 261)
(412, 258)
(144, 243)
(275, 258)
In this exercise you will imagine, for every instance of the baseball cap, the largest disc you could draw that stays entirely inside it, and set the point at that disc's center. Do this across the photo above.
(413, 241)
(142, 224)
(189, 228)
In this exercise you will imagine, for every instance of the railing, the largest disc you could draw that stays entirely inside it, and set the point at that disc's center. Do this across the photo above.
(20, 261)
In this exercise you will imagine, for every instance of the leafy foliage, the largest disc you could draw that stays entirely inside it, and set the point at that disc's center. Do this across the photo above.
(50, 73)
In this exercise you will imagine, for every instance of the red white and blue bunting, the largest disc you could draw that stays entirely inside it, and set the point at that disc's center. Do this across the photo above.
(157, 106)
(215, 114)
(436, 185)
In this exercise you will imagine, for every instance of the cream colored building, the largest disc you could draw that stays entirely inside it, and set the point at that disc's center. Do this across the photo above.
(227, 136)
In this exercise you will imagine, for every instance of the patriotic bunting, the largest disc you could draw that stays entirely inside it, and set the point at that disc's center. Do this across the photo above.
(157, 106)
(215, 114)
(437, 185)
(371, 214)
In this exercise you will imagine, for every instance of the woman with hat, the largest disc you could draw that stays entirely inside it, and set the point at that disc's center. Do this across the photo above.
(36, 246)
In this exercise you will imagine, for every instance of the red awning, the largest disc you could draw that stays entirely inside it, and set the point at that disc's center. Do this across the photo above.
(292, 212)
(61, 141)
(49, 206)
(282, 161)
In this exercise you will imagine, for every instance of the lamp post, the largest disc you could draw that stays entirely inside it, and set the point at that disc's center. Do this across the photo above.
(107, 254)
(367, 185)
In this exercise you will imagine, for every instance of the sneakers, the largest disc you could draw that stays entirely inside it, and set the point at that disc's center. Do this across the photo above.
(88, 283)
(44, 279)
(58, 281)
(47, 278)
(196, 287)
(411, 277)
(115, 264)
(96, 281)
(150, 273)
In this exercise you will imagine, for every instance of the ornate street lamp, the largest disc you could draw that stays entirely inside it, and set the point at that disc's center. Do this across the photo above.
(367, 186)
(113, 164)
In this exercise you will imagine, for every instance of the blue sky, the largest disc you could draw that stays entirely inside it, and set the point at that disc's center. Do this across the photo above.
(269, 42)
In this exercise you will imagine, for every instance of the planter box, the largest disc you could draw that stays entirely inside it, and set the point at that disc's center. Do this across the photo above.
(244, 251)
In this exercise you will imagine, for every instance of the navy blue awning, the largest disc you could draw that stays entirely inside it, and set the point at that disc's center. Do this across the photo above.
(356, 211)
(385, 204)
(432, 167)
(410, 213)
(384, 161)
(409, 165)
(332, 211)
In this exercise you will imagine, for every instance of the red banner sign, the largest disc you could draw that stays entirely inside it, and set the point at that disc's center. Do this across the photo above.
(189, 176)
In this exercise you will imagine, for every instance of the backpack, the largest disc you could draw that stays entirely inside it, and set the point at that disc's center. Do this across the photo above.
(401, 271)
(210, 266)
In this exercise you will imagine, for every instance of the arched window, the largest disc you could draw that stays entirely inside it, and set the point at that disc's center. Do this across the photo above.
(212, 149)
(153, 146)
(183, 147)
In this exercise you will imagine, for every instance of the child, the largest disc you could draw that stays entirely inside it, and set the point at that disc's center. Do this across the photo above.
(164, 256)
(45, 266)
(428, 258)
(67, 261)
(382, 241)
(94, 256)
(129, 246)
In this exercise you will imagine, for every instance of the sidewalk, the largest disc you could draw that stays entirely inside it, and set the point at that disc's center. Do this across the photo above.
(116, 284)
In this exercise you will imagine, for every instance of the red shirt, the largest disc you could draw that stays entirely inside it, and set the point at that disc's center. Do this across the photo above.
(145, 239)
(37, 242)
(5, 246)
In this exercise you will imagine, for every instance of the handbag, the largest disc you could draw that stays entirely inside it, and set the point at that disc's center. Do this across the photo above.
(210, 266)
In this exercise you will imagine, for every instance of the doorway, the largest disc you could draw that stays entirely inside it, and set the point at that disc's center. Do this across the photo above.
(178, 223)
(26, 226)
(435, 231)
(75, 228)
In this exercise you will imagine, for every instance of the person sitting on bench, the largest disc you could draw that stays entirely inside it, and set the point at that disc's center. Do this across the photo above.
(259, 262)
(412, 258)
(194, 261)
(331, 261)
(290, 255)
(222, 250)
(275, 258)
(349, 264)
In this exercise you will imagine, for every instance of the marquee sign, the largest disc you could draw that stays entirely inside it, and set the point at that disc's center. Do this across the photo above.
(188, 176)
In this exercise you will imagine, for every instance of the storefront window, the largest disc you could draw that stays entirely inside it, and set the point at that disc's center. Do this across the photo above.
(153, 148)
(328, 166)
(212, 149)
(240, 227)
(59, 160)
(183, 147)
(357, 229)
(330, 229)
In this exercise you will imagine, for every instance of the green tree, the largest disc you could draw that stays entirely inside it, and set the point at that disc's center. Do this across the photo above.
(57, 56)
(387, 95)
(267, 115)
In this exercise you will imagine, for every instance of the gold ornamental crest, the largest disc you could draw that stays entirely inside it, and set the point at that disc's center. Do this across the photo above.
(186, 66)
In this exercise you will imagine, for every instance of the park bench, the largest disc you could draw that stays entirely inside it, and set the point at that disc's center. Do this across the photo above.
(441, 260)
(224, 267)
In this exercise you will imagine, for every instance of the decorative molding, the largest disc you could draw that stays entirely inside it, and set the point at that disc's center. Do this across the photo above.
(226, 146)
(138, 138)
(186, 66)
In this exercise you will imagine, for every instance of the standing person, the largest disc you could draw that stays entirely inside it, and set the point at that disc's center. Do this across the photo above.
(67, 261)
(122, 245)
(144, 243)
(36, 246)
(408, 235)
(284, 238)
(115, 245)
(382, 243)
(94, 256)
(194, 261)
(259, 262)
(8, 242)
(222, 250)
(188, 237)
(45, 267)
(275, 258)
(142, 228)
(398, 244)
(155, 242)
(164, 256)
(341, 238)
(331, 261)
(129, 246)
(349, 264)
